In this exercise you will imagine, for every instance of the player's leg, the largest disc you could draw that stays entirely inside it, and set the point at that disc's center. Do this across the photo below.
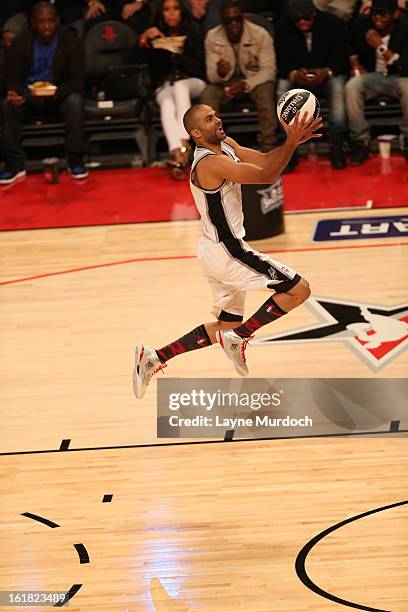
(149, 361)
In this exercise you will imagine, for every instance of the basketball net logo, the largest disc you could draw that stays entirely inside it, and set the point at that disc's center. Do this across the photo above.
(376, 334)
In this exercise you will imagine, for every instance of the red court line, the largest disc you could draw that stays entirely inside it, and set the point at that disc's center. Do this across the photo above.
(175, 257)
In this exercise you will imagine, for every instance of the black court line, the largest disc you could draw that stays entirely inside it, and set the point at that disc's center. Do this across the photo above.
(229, 435)
(394, 425)
(161, 444)
(107, 498)
(82, 553)
(65, 445)
(40, 519)
(69, 595)
(301, 560)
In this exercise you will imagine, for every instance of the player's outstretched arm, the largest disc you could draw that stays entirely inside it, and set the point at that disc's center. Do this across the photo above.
(264, 167)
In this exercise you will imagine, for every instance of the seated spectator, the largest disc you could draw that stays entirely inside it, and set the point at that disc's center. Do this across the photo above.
(345, 9)
(312, 54)
(278, 8)
(10, 8)
(240, 60)
(177, 75)
(198, 11)
(49, 53)
(379, 62)
(134, 13)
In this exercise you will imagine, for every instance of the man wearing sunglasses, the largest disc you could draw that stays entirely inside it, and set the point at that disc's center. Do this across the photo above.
(312, 54)
(240, 59)
(379, 65)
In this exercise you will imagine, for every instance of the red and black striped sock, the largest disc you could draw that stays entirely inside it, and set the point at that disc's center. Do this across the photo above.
(196, 339)
(267, 313)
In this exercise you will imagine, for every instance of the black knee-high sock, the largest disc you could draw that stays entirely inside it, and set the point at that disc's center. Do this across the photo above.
(267, 313)
(196, 339)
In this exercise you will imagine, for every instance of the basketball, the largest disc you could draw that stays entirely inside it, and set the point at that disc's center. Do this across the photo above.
(297, 100)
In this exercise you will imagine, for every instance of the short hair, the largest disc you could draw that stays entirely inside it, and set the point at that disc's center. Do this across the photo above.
(230, 4)
(189, 119)
(43, 4)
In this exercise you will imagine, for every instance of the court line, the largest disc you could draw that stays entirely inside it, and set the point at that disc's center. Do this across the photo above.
(40, 519)
(301, 559)
(196, 442)
(82, 553)
(178, 257)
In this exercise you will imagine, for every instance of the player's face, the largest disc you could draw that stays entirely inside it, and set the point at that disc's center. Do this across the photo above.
(210, 126)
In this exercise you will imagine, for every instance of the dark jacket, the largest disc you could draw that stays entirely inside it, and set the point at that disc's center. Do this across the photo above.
(166, 66)
(329, 45)
(68, 66)
(367, 55)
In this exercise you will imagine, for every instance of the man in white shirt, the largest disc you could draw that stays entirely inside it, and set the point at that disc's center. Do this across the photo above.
(379, 64)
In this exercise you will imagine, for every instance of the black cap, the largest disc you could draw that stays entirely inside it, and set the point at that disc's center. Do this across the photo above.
(384, 5)
(301, 6)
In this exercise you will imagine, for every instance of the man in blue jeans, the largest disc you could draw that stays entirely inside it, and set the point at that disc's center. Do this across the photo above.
(45, 53)
(379, 63)
(312, 54)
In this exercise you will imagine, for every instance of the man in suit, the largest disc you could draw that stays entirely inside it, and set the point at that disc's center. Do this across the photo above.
(379, 63)
(312, 54)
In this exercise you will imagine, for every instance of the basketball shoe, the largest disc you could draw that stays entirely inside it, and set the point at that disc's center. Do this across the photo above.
(234, 347)
(147, 364)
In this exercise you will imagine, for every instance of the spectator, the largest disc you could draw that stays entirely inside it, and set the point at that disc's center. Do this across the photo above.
(198, 11)
(134, 13)
(278, 8)
(312, 54)
(50, 53)
(345, 9)
(10, 8)
(177, 75)
(240, 59)
(379, 63)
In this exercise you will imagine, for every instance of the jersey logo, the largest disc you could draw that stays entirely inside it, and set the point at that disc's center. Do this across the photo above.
(374, 333)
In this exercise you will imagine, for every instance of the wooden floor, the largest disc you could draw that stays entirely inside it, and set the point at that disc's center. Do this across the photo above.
(208, 527)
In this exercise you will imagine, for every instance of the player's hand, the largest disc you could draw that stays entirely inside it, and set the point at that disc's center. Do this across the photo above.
(302, 129)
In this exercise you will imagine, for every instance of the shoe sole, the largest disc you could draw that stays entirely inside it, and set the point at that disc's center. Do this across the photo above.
(219, 338)
(137, 380)
(15, 178)
(78, 177)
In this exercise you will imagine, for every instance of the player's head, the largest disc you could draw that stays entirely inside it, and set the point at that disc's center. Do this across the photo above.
(44, 20)
(203, 125)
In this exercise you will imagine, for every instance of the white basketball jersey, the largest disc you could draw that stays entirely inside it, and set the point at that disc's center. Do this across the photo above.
(222, 219)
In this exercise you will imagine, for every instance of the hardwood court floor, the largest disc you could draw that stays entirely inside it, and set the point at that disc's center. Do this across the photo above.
(210, 527)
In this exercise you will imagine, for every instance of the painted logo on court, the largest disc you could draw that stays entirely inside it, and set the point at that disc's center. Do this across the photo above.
(395, 226)
(376, 334)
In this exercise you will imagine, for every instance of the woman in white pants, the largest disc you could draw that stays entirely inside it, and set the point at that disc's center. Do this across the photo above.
(177, 66)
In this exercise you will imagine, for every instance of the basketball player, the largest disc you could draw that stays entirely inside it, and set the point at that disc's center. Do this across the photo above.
(231, 266)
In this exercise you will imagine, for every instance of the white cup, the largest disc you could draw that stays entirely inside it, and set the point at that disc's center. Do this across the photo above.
(384, 145)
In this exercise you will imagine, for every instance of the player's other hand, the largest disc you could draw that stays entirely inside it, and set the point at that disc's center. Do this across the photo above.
(302, 129)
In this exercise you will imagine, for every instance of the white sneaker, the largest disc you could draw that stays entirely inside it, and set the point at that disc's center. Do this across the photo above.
(234, 347)
(146, 365)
